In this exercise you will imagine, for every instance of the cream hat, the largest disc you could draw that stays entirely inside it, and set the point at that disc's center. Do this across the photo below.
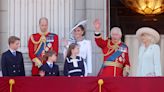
(149, 31)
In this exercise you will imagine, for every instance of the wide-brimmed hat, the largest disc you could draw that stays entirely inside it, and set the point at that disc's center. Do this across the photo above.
(77, 25)
(150, 31)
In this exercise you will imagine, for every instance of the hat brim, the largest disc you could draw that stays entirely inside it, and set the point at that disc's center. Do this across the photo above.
(80, 23)
(150, 31)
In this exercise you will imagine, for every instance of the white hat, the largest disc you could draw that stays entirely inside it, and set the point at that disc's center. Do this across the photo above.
(149, 31)
(80, 23)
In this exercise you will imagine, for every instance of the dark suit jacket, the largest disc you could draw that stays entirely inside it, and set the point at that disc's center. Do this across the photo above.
(54, 71)
(12, 65)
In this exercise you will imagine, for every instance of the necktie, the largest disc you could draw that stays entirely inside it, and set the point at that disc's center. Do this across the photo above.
(14, 53)
(51, 65)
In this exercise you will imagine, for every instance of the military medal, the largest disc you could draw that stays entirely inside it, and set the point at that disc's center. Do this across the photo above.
(120, 59)
(46, 49)
(123, 55)
(49, 45)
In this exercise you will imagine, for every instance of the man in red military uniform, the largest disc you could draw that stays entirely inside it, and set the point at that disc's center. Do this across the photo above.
(39, 43)
(116, 59)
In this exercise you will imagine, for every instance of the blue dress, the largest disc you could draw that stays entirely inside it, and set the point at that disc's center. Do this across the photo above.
(149, 63)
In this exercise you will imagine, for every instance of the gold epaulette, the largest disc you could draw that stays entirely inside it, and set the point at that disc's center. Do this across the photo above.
(42, 39)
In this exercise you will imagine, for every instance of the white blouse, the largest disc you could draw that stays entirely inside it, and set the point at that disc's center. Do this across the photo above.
(149, 61)
(85, 53)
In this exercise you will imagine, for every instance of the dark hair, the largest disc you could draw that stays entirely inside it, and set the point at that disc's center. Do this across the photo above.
(83, 29)
(48, 54)
(13, 39)
(71, 47)
(43, 18)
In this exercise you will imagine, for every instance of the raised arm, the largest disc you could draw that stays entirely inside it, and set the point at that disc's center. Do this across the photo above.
(98, 37)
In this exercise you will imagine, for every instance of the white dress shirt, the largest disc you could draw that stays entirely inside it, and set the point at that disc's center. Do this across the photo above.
(50, 64)
(12, 51)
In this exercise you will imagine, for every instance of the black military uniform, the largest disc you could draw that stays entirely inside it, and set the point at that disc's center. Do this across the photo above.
(74, 67)
(12, 64)
(50, 71)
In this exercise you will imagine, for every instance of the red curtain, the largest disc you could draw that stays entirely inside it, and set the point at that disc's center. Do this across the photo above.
(82, 84)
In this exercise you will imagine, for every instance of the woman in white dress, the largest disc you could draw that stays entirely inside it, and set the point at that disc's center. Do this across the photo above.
(78, 33)
(149, 53)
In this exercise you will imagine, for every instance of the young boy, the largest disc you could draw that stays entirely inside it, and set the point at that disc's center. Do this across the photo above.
(50, 68)
(12, 60)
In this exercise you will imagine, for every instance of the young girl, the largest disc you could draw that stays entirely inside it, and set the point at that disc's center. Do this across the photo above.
(74, 65)
(85, 49)
(50, 68)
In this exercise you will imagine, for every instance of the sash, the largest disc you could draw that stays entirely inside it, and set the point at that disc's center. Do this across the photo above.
(42, 45)
(117, 53)
(113, 57)
(40, 49)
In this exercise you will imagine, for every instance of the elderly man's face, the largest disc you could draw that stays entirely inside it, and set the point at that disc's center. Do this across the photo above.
(43, 25)
(115, 35)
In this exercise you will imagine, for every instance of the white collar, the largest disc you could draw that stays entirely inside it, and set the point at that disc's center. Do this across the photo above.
(49, 63)
(11, 50)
